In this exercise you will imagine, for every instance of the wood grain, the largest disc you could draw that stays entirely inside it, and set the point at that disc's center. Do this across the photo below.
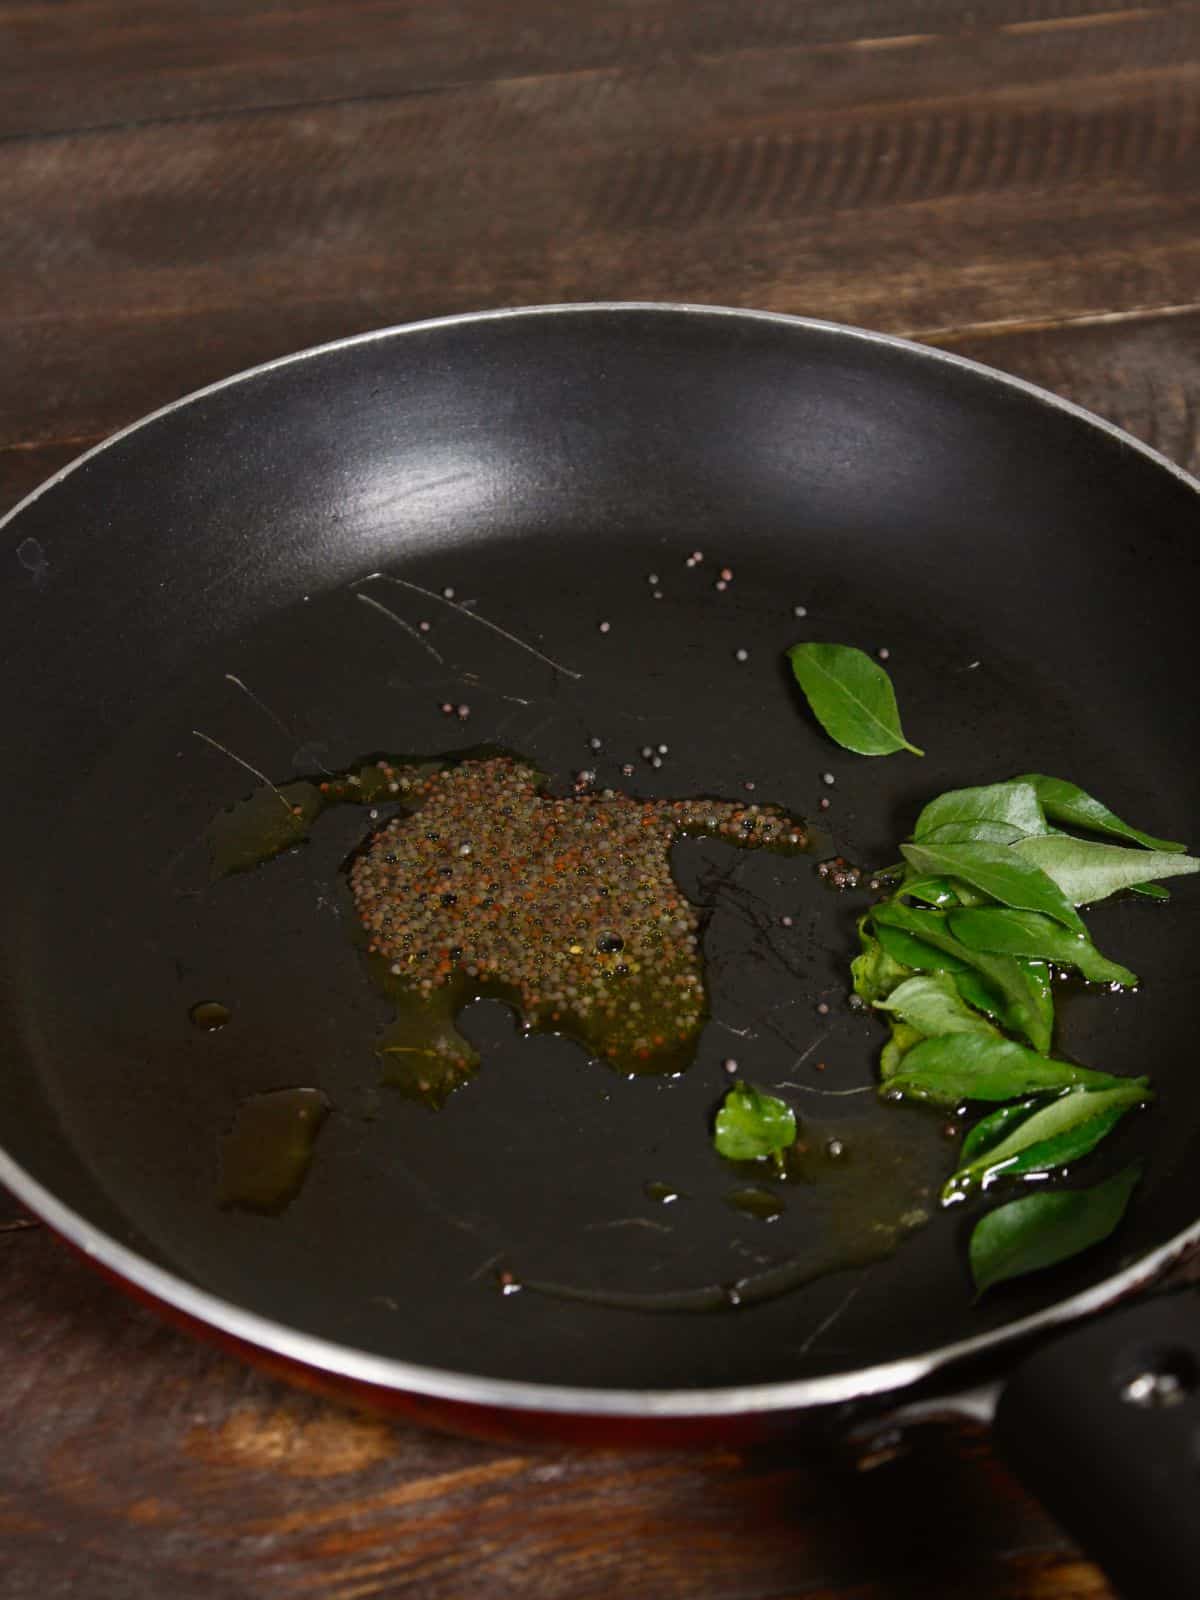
(174, 1470)
(1142, 372)
(924, 191)
(102, 63)
(188, 190)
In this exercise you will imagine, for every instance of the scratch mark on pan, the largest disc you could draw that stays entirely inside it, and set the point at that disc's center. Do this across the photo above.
(430, 1197)
(499, 729)
(486, 1266)
(644, 716)
(785, 1037)
(824, 1326)
(181, 855)
(741, 1248)
(828, 1094)
(443, 481)
(400, 623)
(630, 1222)
(261, 704)
(454, 605)
(261, 776)
(806, 1053)
(532, 733)
(513, 699)
(33, 558)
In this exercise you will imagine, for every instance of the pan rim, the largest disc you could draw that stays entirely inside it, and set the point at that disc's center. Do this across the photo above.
(395, 1374)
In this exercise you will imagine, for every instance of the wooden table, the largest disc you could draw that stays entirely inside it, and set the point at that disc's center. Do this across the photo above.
(188, 187)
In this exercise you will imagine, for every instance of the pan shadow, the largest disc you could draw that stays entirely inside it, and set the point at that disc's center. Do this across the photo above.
(938, 1517)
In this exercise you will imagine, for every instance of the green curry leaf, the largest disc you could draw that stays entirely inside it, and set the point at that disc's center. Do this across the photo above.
(1014, 803)
(1086, 871)
(969, 1066)
(1001, 833)
(1003, 931)
(932, 1005)
(874, 971)
(1000, 985)
(989, 1130)
(939, 892)
(1041, 1230)
(851, 697)
(1065, 802)
(907, 948)
(900, 1041)
(1038, 985)
(751, 1125)
(1063, 1131)
(999, 871)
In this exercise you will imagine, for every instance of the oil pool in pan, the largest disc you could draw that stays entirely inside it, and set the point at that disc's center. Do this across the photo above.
(483, 884)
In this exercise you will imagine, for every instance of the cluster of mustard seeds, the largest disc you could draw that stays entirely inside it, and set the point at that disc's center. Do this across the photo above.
(565, 905)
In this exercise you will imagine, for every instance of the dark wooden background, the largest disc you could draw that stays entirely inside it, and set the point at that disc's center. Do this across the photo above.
(188, 187)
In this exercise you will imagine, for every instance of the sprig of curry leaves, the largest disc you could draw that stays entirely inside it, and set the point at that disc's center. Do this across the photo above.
(959, 957)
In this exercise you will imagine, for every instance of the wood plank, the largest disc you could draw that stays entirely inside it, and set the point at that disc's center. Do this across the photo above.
(1142, 372)
(169, 1468)
(142, 263)
(112, 62)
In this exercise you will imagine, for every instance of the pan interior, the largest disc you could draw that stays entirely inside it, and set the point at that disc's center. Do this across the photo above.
(210, 575)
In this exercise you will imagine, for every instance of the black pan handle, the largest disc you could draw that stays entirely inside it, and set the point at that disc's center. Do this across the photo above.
(1103, 1425)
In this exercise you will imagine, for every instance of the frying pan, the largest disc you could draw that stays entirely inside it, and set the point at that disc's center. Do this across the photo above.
(216, 587)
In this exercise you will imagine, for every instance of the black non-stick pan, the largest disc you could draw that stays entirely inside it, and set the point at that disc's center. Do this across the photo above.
(241, 581)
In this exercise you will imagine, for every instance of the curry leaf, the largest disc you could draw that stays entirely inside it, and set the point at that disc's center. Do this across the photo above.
(851, 697)
(1152, 891)
(931, 1004)
(1012, 994)
(1001, 833)
(874, 971)
(1038, 987)
(751, 1125)
(1041, 1230)
(1066, 803)
(1065, 1130)
(900, 1042)
(920, 955)
(977, 992)
(968, 1066)
(1003, 931)
(1014, 803)
(989, 1130)
(908, 948)
(1000, 872)
(1086, 871)
(933, 891)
